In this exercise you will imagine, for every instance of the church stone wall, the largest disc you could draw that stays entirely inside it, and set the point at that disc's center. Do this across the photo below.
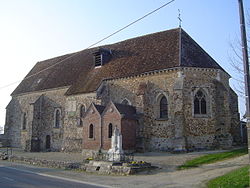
(12, 128)
(24, 104)
(235, 118)
(213, 129)
(142, 92)
(181, 129)
(73, 130)
(199, 130)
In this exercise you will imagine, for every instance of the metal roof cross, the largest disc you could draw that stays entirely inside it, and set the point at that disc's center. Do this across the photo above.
(179, 17)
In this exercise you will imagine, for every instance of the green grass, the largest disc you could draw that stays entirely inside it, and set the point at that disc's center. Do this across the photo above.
(211, 158)
(237, 179)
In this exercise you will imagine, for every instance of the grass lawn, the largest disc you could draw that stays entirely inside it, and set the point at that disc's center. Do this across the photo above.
(214, 157)
(237, 179)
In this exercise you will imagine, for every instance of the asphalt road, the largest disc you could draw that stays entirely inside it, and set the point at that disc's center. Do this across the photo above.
(22, 175)
(18, 178)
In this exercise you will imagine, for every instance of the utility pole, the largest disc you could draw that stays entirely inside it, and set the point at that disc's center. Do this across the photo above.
(246, 68)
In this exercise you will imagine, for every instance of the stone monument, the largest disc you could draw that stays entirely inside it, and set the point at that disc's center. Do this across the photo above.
(116, 153)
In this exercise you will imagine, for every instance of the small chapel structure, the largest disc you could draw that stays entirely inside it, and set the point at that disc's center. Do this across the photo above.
(162, 91)
(101, 122)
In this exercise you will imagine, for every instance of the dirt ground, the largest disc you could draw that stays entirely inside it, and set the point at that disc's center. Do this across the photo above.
(165, 176)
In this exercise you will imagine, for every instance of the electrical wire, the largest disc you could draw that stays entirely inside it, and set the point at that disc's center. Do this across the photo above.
(76, 53)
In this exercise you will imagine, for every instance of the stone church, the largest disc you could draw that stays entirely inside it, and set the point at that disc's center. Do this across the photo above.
(162, 91)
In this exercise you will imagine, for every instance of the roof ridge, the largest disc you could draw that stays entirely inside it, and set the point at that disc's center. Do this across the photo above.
(212, 63)
(106, 45)
(155, 51)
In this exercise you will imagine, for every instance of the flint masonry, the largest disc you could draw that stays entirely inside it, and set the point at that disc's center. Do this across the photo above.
(162, 91)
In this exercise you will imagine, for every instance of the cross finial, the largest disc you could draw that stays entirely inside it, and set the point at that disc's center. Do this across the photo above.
(179, 17)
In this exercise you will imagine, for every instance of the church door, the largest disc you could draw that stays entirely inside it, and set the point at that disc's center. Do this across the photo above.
(48, 142)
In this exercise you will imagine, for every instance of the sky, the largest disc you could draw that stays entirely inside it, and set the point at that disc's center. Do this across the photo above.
(35, 30)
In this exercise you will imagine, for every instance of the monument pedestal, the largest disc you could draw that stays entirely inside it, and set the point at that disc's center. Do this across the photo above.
(116, 153)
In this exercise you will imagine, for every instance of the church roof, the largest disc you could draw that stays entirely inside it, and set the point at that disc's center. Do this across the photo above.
(131, 57)
(126, 110)
(99, 108)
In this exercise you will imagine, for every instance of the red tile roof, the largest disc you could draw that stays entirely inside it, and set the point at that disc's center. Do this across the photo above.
(129, 58)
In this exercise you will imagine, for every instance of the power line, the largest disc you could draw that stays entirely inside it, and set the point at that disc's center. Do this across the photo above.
(139, 19)
(76, 53)
(10, 84)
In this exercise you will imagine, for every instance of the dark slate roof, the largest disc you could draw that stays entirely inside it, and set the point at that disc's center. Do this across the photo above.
(99, 108)
(127, 111)
(129, 58)
(192, 55)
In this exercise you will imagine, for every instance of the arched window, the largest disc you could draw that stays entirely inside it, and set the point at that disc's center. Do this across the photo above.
(110, 130)
(57, 118)
(163, 107)
(47, 142)
(126, 102)
(200, 104)
(82, 111)
(91, 131)
(24, 121)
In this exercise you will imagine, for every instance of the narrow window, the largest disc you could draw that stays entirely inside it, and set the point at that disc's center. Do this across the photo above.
(163, 107)
(47, 142)
(203, 106)
(196, 106)
(57, 118)
(110, 130)
(101, 57)
(82, 111)
(24, 121)
(98, 59)
(91, 131)
(200, 104)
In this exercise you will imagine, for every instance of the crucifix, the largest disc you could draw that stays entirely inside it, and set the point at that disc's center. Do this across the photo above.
(179, 18)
